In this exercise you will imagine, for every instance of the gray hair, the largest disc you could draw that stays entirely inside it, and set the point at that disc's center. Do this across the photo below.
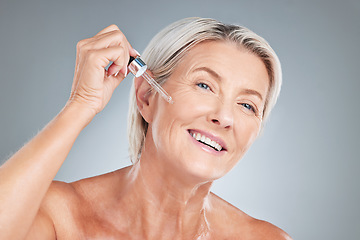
(169, 46)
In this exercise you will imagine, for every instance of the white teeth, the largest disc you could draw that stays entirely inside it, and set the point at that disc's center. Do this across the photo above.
(206, 140)
(198, 136)
(218, 147)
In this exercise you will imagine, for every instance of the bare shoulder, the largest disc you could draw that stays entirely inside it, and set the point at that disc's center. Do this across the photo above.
(78, 192)
(266, 230)
(59, 194)
(46, 223)
(71, 205)
(228, 219)
(59, 203)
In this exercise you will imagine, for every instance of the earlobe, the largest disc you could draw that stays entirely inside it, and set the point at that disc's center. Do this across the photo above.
(143, 93)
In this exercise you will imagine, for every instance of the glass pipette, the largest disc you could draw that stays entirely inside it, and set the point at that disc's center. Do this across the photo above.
(138, 67)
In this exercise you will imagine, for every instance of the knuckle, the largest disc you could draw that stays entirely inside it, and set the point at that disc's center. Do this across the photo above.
(82, 46)
(81, 43)
(122, 58)
(119, 35)
(114, 26)
(120, 53)
(92, 55)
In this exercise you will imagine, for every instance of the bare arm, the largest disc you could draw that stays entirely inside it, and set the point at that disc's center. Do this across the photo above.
(27, 175)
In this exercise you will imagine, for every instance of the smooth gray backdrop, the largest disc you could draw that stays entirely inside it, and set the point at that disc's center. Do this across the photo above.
(301, 175)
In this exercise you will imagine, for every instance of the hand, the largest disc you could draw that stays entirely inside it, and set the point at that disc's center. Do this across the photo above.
(93, 85)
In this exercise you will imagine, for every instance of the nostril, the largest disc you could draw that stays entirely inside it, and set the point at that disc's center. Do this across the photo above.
(224, 123)
(215, 121)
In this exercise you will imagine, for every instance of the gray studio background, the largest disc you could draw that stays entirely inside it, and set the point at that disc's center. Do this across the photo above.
(301, 175)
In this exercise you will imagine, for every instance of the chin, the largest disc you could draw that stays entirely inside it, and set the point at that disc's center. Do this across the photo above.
(203, 162)
(202, 168)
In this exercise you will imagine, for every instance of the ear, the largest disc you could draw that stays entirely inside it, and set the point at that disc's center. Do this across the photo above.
(143, 97)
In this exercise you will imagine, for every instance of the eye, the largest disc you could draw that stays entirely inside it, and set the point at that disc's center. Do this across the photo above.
(203, 85)
(249, 109)
(248, 106)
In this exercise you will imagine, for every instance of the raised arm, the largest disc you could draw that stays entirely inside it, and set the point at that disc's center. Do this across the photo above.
(27, 175)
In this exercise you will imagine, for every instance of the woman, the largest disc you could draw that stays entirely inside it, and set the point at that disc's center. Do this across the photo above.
(223, 79)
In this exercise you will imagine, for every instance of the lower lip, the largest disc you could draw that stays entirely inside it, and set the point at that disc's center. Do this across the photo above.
(207, 148)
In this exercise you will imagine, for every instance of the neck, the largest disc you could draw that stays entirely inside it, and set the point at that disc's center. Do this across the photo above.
(167, 204)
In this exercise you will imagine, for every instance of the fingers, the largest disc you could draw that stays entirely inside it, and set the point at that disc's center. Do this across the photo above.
(114, 28)
(110, 28)
(92, 83)
(102, 57)
(106, 38)
(114, 69)
(110, 36)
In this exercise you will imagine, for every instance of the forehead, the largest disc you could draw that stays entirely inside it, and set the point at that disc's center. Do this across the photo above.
(229, 61)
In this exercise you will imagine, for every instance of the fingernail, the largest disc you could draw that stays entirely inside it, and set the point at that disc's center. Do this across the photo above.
(116, 74)
(136, 52)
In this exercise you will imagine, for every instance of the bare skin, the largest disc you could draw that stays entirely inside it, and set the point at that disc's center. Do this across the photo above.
(166, 195)
(109, 214)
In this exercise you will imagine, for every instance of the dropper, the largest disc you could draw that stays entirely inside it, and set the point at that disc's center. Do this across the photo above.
(138, 67)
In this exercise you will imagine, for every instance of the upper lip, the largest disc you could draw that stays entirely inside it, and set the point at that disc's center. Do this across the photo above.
(211, 136)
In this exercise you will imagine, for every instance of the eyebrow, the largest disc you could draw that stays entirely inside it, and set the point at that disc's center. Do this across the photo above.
(252, 92)
(219, 78)
(209, 71)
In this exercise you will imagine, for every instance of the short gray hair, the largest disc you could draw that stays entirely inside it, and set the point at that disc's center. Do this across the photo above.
(169, 46)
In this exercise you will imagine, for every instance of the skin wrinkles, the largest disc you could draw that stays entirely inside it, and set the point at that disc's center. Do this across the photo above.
(204, 75)
(218, 78)
(257, 103)
(166, 195)
(184, 172)
(183, 86)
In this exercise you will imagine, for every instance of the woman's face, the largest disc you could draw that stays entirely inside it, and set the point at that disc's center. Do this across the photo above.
(219, 91)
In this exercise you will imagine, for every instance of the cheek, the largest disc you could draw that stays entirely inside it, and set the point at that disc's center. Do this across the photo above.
(244, 138)
(246, 132)
(170, 121)
(187, 106)
(190, 104)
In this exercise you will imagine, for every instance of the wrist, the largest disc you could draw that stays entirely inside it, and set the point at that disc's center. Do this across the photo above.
(78, 112)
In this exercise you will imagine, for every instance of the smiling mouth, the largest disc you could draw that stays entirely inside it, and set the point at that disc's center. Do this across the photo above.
(206, 141)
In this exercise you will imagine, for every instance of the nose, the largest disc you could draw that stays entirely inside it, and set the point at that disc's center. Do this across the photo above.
(222, 115)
